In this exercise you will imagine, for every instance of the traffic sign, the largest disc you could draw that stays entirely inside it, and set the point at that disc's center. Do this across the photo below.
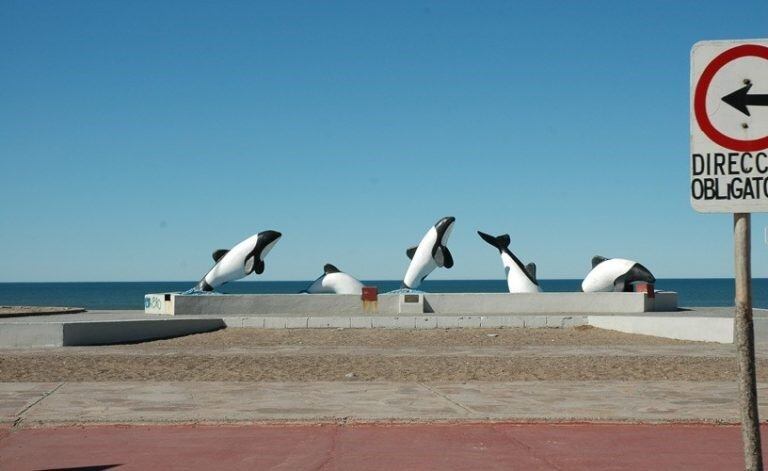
(729, 174)
(729, 126)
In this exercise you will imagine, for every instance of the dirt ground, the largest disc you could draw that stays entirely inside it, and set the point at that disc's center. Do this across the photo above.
(583, 335)
(20, 311)
(407, 355)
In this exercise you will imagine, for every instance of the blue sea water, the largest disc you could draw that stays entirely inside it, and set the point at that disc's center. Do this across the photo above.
(130, 295)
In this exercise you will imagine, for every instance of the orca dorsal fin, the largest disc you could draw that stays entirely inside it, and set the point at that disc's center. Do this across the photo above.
(443, 257)
(328, 269)
(597, 260)
(531, 269)
(218, 254)
(500, 242)
(411, 251)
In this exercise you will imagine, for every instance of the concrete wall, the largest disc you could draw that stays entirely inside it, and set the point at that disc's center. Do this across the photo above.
(761, 330)
(541, 303)
(431, 303)
(159, 303)
(674, 326)
(281, 304)
(425, 321)
(663, 301)
(106, 333)
(33, 334)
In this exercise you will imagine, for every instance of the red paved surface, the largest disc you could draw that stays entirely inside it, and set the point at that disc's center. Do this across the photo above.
(5, 429)
(372, 447)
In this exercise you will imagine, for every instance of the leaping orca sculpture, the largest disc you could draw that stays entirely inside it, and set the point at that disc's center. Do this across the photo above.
(614, 274)
(240, 261)
(335, 281)
(520, 279)
(429, 254)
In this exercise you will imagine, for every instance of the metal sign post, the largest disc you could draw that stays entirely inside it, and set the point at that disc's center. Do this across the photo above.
(729, 174)
(744, 334)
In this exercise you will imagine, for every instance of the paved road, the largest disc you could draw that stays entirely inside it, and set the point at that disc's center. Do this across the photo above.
(374, 447)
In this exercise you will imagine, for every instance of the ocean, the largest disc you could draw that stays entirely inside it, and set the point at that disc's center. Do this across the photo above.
(130, 295)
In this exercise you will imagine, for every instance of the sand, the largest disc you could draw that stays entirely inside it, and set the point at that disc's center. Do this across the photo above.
(583, 335)
(351, 355)
(21, 311)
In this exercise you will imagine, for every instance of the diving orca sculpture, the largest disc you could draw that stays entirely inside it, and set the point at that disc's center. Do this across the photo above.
(614, 274)
(430, 253)
(241, 260)
(335, 281)
(520, 279)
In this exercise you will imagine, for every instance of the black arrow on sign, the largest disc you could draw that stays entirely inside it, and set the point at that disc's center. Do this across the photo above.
(740, 99)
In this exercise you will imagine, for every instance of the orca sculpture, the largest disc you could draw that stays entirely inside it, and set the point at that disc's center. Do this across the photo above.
(241, 260)
(429, 254)
(520, 279)
(614, 274)
(335, 281)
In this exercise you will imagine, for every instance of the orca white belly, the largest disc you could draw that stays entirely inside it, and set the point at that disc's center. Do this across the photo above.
(603, 276)
(517, 281)
(422, 263)
(336, 283)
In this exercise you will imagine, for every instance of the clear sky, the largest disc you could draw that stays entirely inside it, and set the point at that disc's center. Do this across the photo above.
(137, 137)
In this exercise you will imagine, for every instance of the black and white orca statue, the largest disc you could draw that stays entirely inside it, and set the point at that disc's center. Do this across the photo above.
(430, 253)
(334, 281)
(520, 279)
(614, 274)
(240, 261)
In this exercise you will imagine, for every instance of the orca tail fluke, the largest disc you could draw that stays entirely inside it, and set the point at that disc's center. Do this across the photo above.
(500, 242)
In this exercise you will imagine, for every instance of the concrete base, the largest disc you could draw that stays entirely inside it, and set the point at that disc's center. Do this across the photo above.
(98, 328)
(681, 326)
(411, 303)
(404, 321)
(462, 304)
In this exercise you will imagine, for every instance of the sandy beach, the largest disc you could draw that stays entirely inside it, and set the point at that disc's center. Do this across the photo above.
(19, 311)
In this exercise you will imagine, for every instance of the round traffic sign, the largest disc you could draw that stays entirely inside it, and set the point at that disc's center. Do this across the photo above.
(700, 99)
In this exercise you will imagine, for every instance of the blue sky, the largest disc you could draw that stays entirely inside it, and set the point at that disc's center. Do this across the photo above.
(136, 137)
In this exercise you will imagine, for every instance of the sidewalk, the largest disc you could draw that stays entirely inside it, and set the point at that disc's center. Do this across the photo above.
(31, 404)
(529, 425)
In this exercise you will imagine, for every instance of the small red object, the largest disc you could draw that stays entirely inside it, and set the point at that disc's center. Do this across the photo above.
(646, 288)
(370, 293)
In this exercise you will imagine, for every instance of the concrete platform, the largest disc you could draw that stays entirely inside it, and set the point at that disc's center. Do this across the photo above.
(98, 328)
(109, 327)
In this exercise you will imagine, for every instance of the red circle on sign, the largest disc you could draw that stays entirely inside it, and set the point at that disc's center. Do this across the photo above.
(700, 98)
